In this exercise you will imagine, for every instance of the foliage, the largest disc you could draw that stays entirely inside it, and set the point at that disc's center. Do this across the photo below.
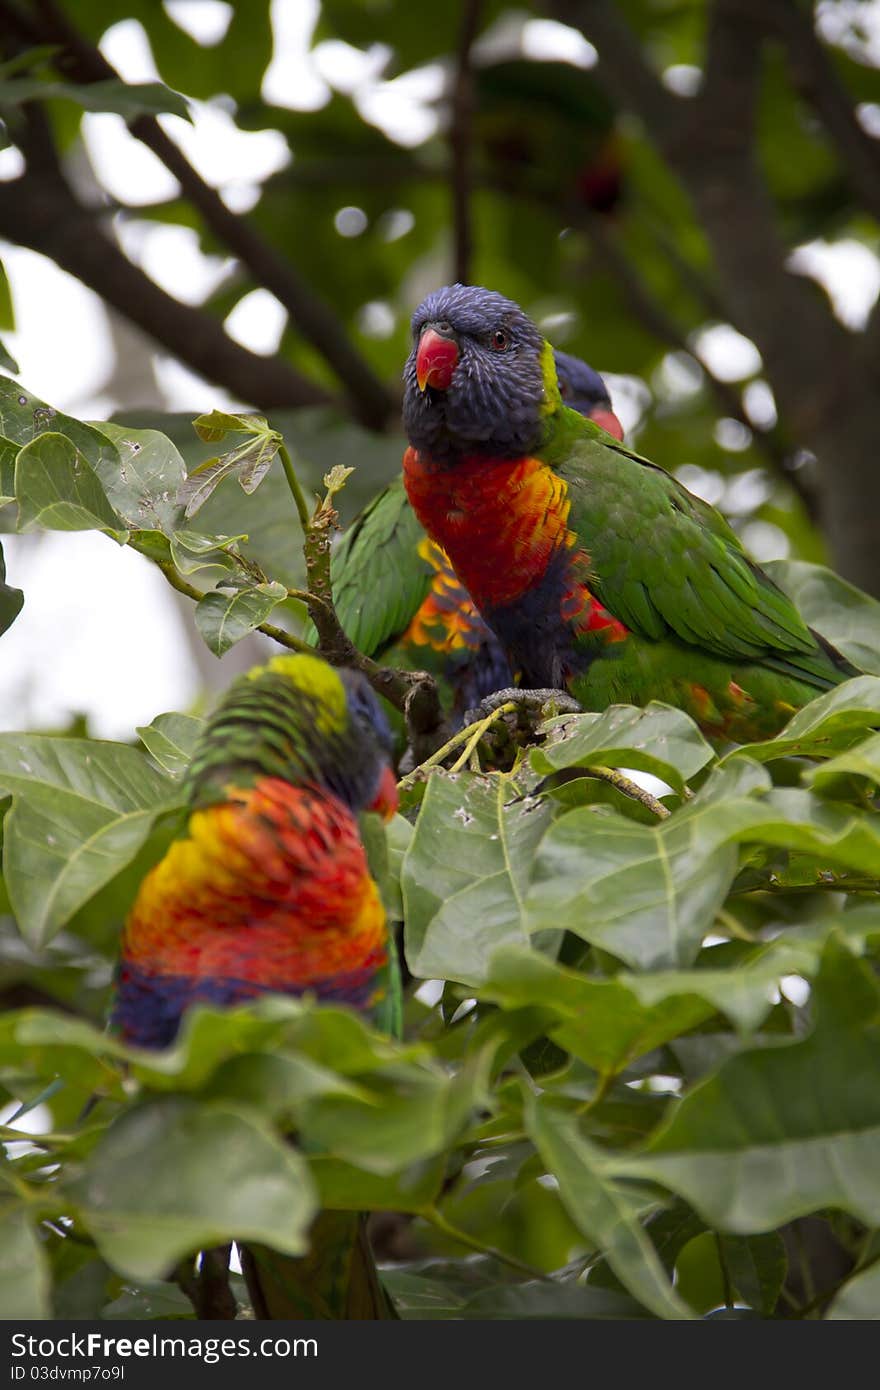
(654, 1045)
(639, 1049)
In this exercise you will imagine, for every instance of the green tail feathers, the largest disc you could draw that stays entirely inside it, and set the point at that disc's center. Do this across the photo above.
(336, 1280)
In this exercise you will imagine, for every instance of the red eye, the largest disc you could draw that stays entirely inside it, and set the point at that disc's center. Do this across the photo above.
(500, 340)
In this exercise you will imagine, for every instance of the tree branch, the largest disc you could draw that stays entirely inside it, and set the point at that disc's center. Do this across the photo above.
(814, 78)
(655, 318)
(460, 140)
(815, 366)
(38, 210)
(81, 62)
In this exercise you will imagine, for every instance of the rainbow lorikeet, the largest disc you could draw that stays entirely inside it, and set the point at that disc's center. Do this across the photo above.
(600, 574)
(398, 597)
(268, 889)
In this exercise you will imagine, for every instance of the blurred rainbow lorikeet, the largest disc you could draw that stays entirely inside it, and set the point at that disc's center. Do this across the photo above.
(599, 573)
(268, 890)
(398, 597)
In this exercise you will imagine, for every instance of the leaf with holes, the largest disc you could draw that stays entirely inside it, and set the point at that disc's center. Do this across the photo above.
(465, 873)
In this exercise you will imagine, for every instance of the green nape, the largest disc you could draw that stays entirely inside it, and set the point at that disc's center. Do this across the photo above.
(268, 725)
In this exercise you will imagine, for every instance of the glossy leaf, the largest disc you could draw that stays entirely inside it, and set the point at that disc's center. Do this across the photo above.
(465, 873)
(657, 739)
(604, 1211)
(173, 1176)
(224, 619)
(781, 1131)
(57, 490)
(170, 740)
(80, 812)
(24, 1274)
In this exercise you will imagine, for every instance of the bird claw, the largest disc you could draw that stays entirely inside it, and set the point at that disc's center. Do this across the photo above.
(541, 703)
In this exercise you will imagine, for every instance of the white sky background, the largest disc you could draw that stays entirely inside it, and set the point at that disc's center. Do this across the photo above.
(100, 632)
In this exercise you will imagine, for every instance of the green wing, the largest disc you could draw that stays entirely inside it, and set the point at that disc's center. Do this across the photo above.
(668, 565)
(379, 578)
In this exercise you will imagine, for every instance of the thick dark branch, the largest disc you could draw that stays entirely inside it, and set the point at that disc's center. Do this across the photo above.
(207, 1287)
(655, 318)
(461, 140)
(813, 75)
(414, 693)
(708, 143)
(83, 63)
(622, 68)
(42, 213)
(819, 372)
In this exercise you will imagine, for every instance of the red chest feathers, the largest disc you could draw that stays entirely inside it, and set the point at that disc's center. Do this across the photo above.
(499, 520)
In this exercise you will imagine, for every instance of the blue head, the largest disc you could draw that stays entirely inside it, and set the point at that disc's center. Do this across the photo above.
(479, 378)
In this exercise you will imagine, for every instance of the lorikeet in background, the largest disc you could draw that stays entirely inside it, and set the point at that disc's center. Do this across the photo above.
(268, 890)
(599, 573)
(398, 598)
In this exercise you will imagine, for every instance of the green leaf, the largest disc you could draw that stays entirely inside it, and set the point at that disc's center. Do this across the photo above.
(598, 1020)
(23, 417)
(782, 1131)
(863, 760)
(8, 455)
(191, 551)
(345, 1187)
(11, 599)
(398, 834)
(406, 1114)
(859, 1298)
(828, 724)
(465, 873)
(677, 874)
(223, 619)
(24, 1273)
(143, 486)
(7, 361)
(151, 1299)
(840, 611)
(122, 98)
(81, 810)
(757, 1266)
(173, 1176)
(57, 490)
(601, 1209)
(171, 739)
(248, 462)
(218, 423)
(657, 739)
(7, 312)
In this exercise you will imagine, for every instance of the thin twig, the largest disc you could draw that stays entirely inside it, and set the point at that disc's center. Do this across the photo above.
(78, 59)
(439, 1222)
(457, 739)
(629, 788)
(285, 639)
(480, 730)
(294, 484)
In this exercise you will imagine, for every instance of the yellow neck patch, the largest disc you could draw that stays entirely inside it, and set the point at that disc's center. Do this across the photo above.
(315, 677)
(552, 398)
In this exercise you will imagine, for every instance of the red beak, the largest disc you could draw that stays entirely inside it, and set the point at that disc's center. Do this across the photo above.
(608, 421)
(436, 360)
(386, 799)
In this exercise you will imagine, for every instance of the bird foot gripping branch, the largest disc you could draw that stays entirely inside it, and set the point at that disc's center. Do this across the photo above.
(531, 705)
